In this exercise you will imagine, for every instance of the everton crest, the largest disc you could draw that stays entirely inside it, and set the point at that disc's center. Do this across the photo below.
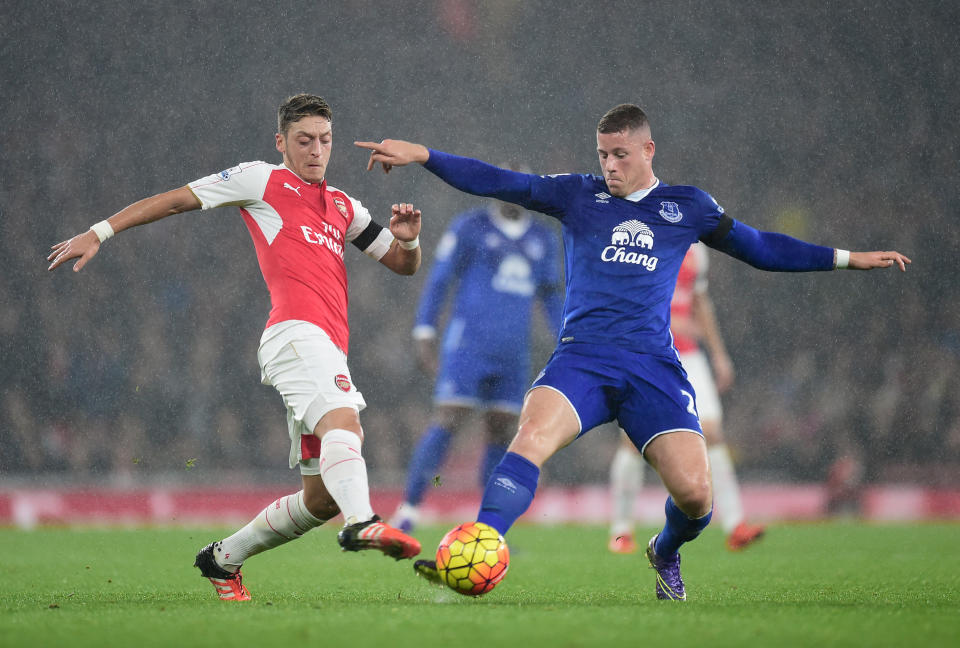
(670, 212)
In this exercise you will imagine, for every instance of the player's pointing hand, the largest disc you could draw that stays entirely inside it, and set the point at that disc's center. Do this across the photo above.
(391, 153)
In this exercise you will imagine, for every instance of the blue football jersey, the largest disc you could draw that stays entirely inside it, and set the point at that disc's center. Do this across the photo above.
(622, 257)
(499, 272)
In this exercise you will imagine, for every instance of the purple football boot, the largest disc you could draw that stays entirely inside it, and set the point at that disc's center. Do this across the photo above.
(669, 581)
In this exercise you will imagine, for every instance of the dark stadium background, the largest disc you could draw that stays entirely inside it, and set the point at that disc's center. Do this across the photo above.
(835, 122)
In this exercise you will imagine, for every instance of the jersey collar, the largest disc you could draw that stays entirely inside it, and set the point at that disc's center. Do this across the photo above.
(639, 195)
(512, 229)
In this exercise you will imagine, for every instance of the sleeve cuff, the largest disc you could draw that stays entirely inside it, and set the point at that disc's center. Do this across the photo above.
(424, 332)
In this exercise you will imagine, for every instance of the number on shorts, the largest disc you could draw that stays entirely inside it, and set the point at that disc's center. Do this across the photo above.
(691, 406)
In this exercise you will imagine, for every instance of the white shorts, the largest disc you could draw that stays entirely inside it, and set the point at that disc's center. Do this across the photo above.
(701, 377)
(310, 372)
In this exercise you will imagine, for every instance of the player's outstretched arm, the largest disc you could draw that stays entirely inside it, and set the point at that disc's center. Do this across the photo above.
(390, 153)
(463, 173)
(871, 260)
(85, 246)
(781, 253)
(403, 257)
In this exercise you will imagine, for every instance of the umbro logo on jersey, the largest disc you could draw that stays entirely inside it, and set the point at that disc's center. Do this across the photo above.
(296, 190)
(631, 234)
(603, 197)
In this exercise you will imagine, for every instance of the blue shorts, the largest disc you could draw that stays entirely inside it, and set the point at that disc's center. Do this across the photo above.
(648, 395)
(481, 382)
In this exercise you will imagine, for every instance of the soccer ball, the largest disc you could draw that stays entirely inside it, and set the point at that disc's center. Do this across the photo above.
(472, 558)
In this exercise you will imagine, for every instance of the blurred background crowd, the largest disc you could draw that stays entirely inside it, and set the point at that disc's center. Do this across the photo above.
(834, 122)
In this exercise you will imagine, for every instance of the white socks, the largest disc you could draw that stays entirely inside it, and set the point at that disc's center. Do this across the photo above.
(284, 520)
(626, 478)
(726, 490)
(344, 473)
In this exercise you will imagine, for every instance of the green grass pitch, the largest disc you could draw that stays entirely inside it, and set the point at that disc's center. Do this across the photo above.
(829, 584)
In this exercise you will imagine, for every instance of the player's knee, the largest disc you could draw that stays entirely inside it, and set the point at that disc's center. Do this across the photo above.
(694, 496)
(534, 442)
(343, 418)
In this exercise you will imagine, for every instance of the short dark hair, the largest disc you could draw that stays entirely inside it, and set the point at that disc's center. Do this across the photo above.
(299, 106)
(625, 117)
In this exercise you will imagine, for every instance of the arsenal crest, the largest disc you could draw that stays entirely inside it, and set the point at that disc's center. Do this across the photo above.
(343, 383)
(342, 206)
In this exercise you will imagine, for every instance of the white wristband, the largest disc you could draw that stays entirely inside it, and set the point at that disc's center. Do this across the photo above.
(843, 259)
(410, 245)
(102, 230)
(424, 332)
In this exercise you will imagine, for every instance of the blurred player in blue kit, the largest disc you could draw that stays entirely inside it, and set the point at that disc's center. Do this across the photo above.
(502, 263)
(625, 235)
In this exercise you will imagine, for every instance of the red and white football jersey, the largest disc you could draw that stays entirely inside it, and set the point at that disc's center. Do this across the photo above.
(299, 230)
(691, 280)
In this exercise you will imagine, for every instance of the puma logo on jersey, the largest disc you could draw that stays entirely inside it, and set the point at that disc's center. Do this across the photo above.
(296, 190)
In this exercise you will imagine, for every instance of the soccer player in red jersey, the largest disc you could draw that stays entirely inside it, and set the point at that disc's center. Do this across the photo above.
(299, 225)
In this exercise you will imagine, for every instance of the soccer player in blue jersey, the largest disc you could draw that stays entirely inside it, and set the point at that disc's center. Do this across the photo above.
(498, 262)
(625, 234)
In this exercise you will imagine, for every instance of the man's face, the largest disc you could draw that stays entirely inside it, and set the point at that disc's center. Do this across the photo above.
(511, 211)
(306, 147)
(626, 159)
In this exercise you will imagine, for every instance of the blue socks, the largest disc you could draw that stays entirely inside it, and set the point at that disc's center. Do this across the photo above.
(509, 492)
(492, 455)
(678, 529)
(428, 456)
